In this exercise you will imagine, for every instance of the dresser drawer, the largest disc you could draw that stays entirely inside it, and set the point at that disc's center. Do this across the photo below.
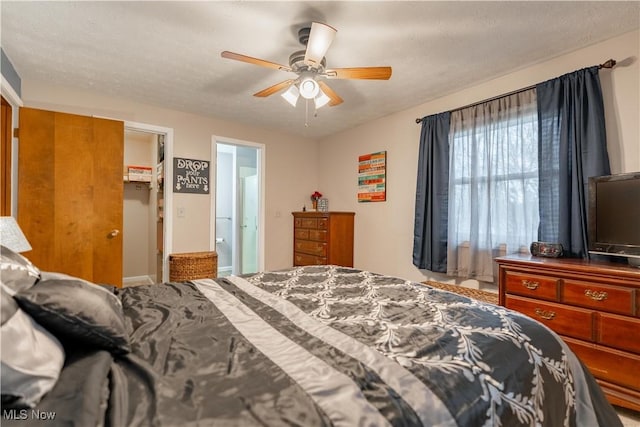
(532, 285)
(301, 233)
(619, 332)
(318, 235)
(571, 321)
(310, 247)
(314, 223)
(307, 222)
(602, 297)
(306, 259)
(617, 367)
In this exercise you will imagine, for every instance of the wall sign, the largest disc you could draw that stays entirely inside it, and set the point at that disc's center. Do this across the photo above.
(372, 177)
(190, 176)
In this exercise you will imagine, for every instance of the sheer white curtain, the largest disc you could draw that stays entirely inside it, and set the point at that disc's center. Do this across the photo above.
(493, 183)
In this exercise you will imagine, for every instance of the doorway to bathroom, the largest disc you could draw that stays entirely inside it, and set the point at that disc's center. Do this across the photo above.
(239, 206)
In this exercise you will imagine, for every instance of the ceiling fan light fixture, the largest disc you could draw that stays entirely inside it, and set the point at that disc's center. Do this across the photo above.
(309, 88)
(321, 100)
(291, 95)
(310, 66)
(320, 38)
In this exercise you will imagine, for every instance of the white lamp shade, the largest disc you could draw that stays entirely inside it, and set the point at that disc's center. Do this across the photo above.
(291, 95)
(11, 236)
(321, 100)
(309, 88)
(320, 38)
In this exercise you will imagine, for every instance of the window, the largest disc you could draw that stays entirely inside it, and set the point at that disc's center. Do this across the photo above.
(493, 183)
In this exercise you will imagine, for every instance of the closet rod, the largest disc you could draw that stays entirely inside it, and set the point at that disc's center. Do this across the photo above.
(607, 64)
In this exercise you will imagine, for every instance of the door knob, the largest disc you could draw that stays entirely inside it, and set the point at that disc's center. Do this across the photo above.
(113, 233)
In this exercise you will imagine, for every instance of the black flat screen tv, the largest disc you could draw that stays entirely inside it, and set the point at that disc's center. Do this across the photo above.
(614, 216)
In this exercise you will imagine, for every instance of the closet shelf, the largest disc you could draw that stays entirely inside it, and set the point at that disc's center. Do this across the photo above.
(126, 180)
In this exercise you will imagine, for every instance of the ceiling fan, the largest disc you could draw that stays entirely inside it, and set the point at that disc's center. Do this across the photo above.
(310, 66)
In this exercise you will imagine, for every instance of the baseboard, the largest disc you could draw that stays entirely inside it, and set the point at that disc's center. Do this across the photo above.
(137, 280)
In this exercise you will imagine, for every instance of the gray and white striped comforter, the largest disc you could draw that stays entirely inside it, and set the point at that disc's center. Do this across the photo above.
(328, 345)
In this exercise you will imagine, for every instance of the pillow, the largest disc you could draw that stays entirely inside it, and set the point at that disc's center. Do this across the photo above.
(51, 275)
(81, 395)
(8, 305)
(47, 275)
(31, 358)
(77, 311)
(16, 272)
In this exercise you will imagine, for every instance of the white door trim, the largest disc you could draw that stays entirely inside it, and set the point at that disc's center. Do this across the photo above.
(12, 97)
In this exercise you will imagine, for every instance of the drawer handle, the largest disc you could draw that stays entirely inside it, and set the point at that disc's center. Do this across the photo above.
(548, 315)
(596, 295)
(530, 284)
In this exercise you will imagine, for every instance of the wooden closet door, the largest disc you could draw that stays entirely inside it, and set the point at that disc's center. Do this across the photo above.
(70, 193)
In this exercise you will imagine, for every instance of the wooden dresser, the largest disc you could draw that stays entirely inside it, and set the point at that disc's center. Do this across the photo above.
(323, 238)
(594, 306)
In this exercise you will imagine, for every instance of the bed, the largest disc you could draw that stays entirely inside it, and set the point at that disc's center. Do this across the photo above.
(305, 346)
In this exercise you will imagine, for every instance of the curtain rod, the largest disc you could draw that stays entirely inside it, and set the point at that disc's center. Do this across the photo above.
(607, 64)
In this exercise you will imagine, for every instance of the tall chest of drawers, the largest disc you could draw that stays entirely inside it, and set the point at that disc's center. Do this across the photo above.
(323, 238)
(594, 306)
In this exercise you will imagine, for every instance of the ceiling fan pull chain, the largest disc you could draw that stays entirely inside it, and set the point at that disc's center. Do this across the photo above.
(306, 113)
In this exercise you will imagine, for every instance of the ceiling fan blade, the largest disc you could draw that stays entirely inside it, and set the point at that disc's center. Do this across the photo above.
(255, 61)
(372, 73)
(335, 99)
(320, 38)
(275, 88)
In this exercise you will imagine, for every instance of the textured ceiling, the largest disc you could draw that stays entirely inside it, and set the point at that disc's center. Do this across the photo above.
(168, 53)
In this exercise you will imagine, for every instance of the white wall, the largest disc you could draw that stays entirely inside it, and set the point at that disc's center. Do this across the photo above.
(384, 230)
(290, 176)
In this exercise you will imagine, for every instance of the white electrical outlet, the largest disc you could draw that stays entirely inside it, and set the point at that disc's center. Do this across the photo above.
(181, 212)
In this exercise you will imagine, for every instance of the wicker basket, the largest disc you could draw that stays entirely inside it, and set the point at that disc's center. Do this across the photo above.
(193, 265)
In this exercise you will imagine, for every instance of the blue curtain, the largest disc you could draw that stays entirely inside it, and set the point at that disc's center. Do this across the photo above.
(432, 195)
(572, 147)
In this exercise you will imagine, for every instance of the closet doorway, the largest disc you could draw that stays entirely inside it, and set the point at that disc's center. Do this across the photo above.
(146, 227)
(239, 206)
